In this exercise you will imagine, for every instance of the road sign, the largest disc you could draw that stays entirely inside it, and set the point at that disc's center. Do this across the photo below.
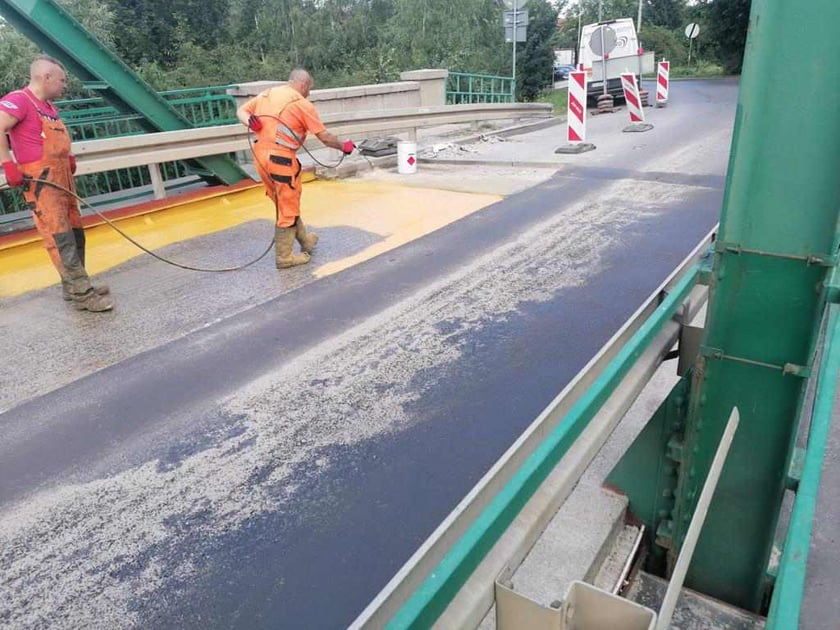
(509, 4)
(691, 31)
(603, 40)
(521, 26)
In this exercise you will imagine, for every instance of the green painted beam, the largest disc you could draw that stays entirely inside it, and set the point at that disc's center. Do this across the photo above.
(443, 583)
(57, 33)
(774, 251)
(786, 604)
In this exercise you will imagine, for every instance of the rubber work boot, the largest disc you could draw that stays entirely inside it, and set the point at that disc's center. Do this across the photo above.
(93, 302)
(307, 240)
(67, 293)
(74, 278)
(79, 239)
(284, 242)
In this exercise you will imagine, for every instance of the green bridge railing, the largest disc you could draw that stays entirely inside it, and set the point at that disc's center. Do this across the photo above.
(463, 87)
(94, 118)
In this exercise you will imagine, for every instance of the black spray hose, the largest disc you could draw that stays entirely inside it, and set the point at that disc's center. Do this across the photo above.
(172, 262)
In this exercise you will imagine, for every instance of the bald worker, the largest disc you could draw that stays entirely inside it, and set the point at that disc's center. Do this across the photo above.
(41, 146)
(282, 117)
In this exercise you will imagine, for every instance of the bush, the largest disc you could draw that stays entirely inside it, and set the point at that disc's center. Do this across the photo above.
(702, 69)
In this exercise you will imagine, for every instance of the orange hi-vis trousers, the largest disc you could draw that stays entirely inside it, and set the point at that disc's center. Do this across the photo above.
(55, 212)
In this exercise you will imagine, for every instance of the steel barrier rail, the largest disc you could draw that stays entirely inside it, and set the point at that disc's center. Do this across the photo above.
(457, 565)
(786, 602)
(96, 156)
(153, 149)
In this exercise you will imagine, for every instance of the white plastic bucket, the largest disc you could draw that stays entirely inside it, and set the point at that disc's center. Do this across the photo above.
(406, 157)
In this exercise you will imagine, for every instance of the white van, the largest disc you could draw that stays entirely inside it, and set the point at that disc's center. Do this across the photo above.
(618, 37)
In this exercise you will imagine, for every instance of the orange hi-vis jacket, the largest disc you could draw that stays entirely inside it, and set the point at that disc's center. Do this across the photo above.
(286, 117)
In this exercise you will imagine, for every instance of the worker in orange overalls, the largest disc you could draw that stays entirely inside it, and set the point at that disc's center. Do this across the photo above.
(41, 147)
(282, 117)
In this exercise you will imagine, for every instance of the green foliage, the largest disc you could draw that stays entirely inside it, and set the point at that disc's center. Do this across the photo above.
(559, 99)
(667, 44)
(727, 22)
(16, 52)
(669, 14)
(537, 70)
(186, 43)
(698, 70)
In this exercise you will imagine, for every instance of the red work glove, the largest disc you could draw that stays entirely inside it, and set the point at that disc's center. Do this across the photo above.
(347, 147)
(13, 175)
(254, 123)
(72, 159)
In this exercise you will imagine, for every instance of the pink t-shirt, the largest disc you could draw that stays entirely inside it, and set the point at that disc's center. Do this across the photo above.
(26, 139)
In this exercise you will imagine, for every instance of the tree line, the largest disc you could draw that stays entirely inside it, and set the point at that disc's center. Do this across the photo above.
(192, 43)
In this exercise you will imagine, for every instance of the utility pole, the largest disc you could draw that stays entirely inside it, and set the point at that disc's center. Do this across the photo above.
(639, 20)
(515, 5)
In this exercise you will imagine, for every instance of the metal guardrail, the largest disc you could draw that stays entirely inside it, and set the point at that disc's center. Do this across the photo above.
(154, 148)
(786, 603)
(457, 560)
(94, 118)
(463, 87)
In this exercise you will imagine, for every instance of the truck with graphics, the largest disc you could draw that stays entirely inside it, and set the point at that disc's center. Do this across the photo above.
(606, 49)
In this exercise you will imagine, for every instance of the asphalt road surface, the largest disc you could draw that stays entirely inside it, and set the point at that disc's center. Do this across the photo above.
(266, 452)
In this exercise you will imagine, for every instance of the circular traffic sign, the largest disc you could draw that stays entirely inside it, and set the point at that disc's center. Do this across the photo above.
(692, 30)
(606, 35)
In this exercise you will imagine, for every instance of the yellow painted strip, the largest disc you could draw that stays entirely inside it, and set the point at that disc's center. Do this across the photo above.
(398, 214)
(394, 213)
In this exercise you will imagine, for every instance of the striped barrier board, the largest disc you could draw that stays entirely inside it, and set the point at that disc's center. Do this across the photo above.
(662, 83)
(576, 120)
(576, 115)
(634, 103)
(631, 97)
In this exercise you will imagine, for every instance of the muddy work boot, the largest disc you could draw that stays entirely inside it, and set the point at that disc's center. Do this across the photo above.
(93, 302)
(67, 292)
(284, 242)
(307, 240)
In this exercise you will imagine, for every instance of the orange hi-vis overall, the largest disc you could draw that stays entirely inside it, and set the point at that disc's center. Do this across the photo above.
(286, 118)
(56, 214)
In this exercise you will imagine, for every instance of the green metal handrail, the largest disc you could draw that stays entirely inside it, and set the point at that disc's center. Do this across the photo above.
(446, 579)
(463, 87)
(786, 603)
(202, 107)
(93, 119)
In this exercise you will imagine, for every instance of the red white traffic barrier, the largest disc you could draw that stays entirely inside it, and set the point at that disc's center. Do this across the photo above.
(662, 83)
(631, 97)
(576, 118)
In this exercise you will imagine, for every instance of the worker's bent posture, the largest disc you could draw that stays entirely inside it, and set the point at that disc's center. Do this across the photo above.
(282, 117)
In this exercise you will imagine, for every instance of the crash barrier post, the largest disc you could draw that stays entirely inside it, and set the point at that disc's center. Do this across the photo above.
(662, 83)
(576, 115)
(634, 103)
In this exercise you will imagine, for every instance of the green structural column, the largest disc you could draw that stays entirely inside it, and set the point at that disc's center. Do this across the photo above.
(774, 250)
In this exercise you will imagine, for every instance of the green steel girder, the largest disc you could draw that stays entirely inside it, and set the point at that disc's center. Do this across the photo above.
(649, 470)
(57, 33)
(777, 247)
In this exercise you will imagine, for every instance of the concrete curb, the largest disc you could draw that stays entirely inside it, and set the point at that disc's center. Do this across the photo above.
(505, 163)
(370, 163)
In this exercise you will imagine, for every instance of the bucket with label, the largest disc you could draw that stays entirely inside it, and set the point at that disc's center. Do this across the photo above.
(406, 157)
